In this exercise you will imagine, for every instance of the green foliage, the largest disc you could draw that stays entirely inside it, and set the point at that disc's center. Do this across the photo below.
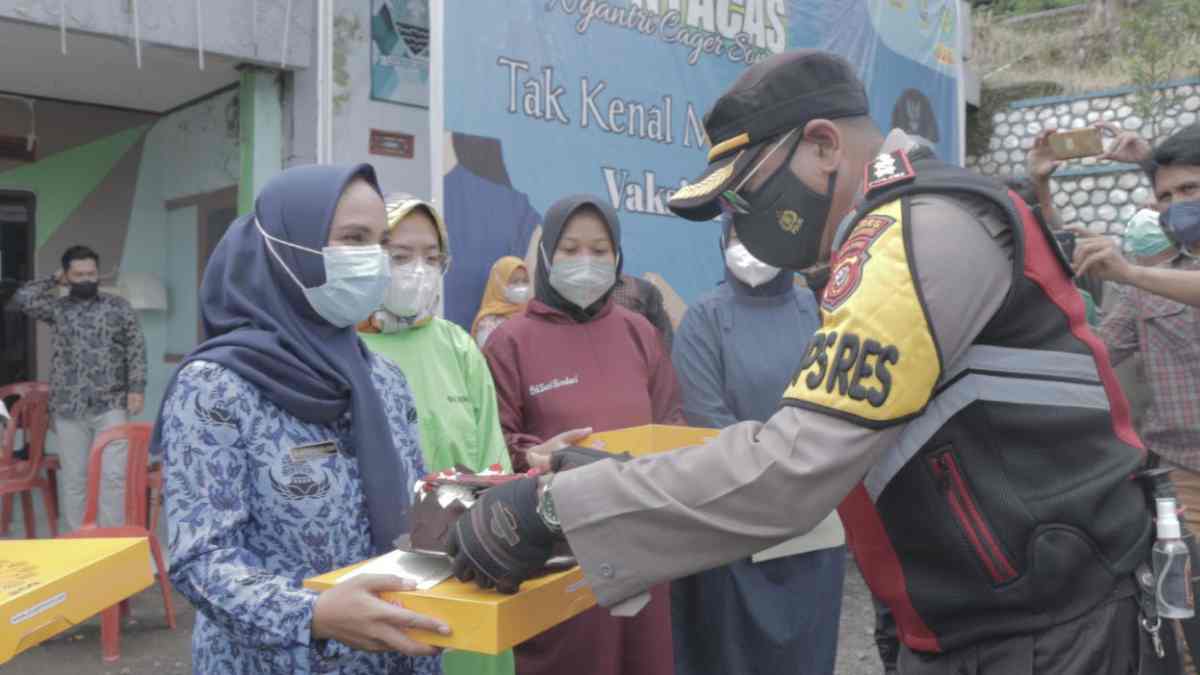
(1159, 43)
(347, 30)
(996, 99)
(1018, 7)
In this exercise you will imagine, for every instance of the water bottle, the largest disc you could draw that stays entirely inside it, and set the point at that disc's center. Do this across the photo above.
(1172, 566)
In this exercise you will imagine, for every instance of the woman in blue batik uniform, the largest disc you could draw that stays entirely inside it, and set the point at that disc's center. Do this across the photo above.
(283, 460)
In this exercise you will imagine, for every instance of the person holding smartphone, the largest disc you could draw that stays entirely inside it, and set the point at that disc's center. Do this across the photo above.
(1100, 257)
(1044, 159)
(1174, 170)
(1160, 315)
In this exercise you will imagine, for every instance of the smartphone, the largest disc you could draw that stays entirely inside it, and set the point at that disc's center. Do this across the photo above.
(1066, 241)
(1077, 143)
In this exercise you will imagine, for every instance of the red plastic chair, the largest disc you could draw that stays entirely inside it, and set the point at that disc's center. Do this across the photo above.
(22, 388)
(138, 437)
(10, 394)
(154, 486)
(20, 477)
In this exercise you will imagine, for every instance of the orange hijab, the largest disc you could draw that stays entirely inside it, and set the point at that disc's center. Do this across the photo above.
(494, 303)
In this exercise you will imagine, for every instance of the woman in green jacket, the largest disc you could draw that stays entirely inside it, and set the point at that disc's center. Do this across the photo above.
(449, 378)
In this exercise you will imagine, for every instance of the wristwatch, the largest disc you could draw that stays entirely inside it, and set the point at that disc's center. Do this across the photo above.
(546, 510)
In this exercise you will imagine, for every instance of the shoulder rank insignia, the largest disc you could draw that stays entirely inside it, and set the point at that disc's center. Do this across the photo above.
(886, 169)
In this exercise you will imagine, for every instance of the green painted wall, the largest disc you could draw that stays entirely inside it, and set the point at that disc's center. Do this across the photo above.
(63, 180)
(261, 133)
(110, 183)
(180, 279)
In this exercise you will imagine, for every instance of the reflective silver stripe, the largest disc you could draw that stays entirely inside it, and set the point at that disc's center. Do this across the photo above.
(969, 389)
(1034, 362)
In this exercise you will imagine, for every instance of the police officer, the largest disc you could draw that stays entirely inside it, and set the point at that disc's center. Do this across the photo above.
(954, 404)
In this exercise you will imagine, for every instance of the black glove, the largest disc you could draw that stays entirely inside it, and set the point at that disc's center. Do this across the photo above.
(502, 541)
(573, 457)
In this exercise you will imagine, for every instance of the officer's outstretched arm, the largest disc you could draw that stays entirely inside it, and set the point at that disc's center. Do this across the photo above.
(913, 288)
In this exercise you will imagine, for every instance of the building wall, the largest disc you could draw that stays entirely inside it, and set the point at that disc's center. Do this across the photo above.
(186, 154)
(88, 160)
(228, 27)
(355, 113)
(85, 154)
(104, 178)
(1101, 195)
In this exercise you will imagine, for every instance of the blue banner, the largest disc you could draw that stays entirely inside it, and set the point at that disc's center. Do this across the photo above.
(545, 98)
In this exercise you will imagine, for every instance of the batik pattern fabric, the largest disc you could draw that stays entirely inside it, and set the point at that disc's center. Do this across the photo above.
(98, 346)
(258, 500)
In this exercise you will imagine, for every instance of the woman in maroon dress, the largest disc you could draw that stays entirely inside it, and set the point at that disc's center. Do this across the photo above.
(573, 360)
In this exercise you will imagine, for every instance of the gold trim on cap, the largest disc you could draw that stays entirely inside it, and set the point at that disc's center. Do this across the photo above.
(705, 187)
(729, 145)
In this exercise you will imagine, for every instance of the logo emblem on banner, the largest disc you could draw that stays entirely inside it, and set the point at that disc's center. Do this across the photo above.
(847, 270)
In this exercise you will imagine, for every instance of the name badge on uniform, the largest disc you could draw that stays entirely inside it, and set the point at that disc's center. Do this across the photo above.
(306, 453)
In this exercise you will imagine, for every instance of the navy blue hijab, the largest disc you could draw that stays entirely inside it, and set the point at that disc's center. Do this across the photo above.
(260, 326)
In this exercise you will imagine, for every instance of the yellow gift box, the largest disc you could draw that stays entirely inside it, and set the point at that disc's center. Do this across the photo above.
(49, 585)
(649, 439)
(487, 621)
(490, 622)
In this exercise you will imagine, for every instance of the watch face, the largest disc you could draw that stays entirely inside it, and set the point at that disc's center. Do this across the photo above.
(546, 509)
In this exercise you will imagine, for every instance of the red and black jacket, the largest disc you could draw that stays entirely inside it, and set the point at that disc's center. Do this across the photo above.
(1012, 508)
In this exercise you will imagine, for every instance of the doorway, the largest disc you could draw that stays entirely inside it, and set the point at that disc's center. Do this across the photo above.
(195, 224)
(17, 338)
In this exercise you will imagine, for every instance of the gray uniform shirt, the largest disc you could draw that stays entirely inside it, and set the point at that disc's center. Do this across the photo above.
(635, 524)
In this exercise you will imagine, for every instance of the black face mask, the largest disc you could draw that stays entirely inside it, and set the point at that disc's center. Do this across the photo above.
(782, 222)
(85, 290)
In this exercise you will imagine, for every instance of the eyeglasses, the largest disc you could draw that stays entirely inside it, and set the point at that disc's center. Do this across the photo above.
(732, 201)
(438, 261)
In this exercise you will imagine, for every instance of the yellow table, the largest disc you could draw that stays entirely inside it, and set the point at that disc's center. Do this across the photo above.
(49, 585)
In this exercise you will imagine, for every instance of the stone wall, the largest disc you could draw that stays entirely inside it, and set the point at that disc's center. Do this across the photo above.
(1101, 195)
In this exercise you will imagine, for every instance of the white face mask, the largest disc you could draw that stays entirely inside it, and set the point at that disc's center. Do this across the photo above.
(356, 279)
(414, 292)
(582, 280)
(748, 269)
(518, 294)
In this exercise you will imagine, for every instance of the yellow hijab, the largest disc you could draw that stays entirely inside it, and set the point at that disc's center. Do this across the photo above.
(494, 303)
(400, 205)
